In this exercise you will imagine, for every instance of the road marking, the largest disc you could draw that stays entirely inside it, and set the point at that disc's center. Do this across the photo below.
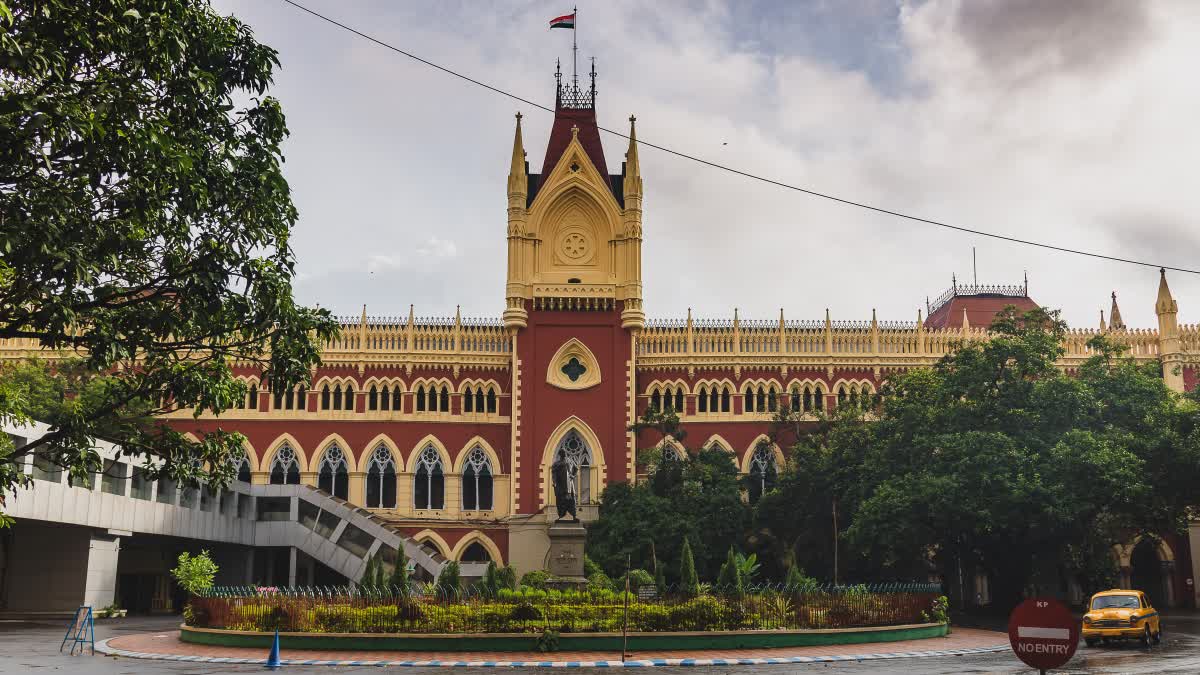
(1044, 633)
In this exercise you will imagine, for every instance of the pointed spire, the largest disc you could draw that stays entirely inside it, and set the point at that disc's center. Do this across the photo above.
(781, 317)
(1166, 303)
(633, 168)
(411, 319)
(966, 324)
(458, 315)
(1103, 327)
(518, 181)
(364, 315)
(920, 322)
(1114, 315)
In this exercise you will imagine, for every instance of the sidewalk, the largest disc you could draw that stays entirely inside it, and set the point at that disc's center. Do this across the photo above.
(166, 645)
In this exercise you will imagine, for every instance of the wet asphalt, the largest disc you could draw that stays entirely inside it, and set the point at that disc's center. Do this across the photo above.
(29, 647)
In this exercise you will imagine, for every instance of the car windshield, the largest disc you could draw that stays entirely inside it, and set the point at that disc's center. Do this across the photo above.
(1117, 601)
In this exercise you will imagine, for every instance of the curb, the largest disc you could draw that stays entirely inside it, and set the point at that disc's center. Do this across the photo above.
(103, 648)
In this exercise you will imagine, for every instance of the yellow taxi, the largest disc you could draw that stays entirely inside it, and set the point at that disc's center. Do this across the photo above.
(1121, 615)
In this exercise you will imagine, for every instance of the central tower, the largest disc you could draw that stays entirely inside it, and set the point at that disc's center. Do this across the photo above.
(574, 230)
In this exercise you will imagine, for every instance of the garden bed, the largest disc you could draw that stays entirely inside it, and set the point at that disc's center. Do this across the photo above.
(590, 620)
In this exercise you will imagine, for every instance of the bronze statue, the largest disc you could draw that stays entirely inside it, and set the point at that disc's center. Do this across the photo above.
(562, 472)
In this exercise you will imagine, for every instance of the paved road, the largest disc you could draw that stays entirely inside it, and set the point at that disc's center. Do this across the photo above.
(33, 648)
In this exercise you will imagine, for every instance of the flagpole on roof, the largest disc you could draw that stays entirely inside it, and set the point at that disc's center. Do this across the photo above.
(575, 47)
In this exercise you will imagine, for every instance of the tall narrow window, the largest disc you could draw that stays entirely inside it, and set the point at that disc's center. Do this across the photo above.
(285, 468)
(373, 398)
(818, 399)
(469, 400)
(491, 401)
(396, 399)
(243, 468)
(421, 398)
(656, 401)
(381, 480)
(772, 401)
(429, 488)
(278, 400)
(337, 397)
(573, 450)
(325, 398)
(725, 400)
(762, 472)
(760, 400)
(301, 394)
(333, 476)
(702, 400)
(252, 397)
(482, 401)
(477, 481)
(679, 400)
(445, 400)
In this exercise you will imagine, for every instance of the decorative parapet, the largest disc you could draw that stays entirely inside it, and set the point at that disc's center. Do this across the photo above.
(956, 290)
(874, 344)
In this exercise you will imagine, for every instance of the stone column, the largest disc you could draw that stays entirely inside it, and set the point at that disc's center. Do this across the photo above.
(101, 586)
(356, 492)
(291, 566)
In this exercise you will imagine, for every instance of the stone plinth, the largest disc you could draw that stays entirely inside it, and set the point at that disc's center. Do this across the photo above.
(565, 560)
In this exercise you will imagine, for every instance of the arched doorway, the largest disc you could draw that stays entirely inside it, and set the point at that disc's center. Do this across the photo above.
(1147, 572)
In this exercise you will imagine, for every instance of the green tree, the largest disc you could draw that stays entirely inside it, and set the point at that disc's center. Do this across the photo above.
(998, 459)
(689, 583)
(699, 499)
(195, 574)
(146, 227)
(369, 573)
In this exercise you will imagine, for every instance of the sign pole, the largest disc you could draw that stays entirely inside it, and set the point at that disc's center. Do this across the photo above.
(625, 620)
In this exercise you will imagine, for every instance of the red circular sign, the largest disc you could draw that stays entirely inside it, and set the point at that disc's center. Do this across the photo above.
(1043, 633)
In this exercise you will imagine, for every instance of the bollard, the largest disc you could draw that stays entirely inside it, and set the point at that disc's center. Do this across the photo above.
(273, 658)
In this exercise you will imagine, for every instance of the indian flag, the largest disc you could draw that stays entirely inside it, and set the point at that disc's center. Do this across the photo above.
(564, 21)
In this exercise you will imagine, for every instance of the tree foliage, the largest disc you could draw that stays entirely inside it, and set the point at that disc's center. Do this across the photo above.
(144, 226)
(195, 574)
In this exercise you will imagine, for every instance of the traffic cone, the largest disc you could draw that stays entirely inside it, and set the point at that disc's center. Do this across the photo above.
(273, 658)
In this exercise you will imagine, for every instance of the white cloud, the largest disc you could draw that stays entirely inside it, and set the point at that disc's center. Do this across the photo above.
(1070, 123)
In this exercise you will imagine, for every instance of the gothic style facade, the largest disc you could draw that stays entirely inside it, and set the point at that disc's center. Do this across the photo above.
(447, 428)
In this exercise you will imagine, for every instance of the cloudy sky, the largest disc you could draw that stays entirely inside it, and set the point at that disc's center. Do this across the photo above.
(1073, 123)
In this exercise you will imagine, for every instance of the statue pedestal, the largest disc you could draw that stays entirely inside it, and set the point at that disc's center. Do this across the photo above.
(565, 560)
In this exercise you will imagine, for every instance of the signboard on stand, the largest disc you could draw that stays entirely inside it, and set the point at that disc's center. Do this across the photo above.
(1043, 633)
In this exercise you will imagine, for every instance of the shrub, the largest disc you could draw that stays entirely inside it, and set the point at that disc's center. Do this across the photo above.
(940, 608)
(195, 573)
(703, 613)
(507, 577)
(729, 580)
(327, 619)
(277, 617)
(639, 578)
(449, 581)
(599, 582)
(535, 579)
(590, 567)
(399, 577)
(547, 641)
(526, 611)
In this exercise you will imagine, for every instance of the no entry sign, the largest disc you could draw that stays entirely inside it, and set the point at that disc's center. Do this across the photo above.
(1043, 633)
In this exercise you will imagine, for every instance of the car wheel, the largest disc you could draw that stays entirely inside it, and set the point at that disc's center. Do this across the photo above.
(1146, 636)
(1092, 642)
(1158, 635)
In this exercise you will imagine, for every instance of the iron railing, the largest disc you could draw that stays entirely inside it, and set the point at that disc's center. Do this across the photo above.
(391, 610)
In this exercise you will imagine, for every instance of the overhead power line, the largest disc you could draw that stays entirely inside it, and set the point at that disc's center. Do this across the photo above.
(739, 172)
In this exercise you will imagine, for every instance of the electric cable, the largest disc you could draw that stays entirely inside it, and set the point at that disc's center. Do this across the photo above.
(739, 172)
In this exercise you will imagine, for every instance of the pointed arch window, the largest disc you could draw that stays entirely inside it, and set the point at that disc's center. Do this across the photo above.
(373, 399)
(381, 480)
(475, 552)
(396, 398)
(444, 400)
(285, 468)
(469, 400)
(334, 476)
(656, 401)
(243, 468)
(429, 487)
(679, 400)
(477, 481)
(726, 397)
(325, 398)
(337, 398)
(763, 472)
(491, 401)
(301, 395)
(421, 398)
(575, 451)
(702, 400)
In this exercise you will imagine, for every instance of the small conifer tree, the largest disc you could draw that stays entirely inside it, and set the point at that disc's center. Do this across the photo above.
(728, 579)
(398, 582)
(689, 583)
(449, 581)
